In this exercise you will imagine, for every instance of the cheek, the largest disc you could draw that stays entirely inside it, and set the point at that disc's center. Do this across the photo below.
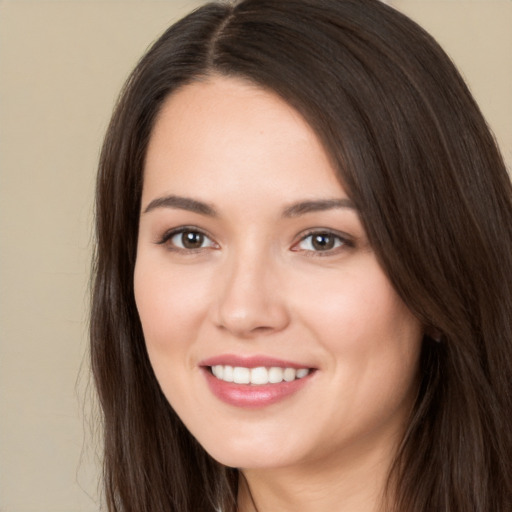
(373, 344)
(170, 305)
(354, 307)
(372, 338)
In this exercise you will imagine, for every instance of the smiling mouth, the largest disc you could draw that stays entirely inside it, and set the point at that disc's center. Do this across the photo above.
(258, 376)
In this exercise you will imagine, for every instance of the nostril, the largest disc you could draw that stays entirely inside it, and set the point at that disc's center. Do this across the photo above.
(262, 329)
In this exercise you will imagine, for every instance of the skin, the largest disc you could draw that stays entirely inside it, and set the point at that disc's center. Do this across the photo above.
(257, 285)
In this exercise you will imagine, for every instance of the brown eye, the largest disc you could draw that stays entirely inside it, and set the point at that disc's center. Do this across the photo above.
(323, 241)
(192, 240)
(188, 239)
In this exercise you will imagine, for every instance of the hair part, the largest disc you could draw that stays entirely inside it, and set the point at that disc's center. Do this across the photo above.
(417, 159)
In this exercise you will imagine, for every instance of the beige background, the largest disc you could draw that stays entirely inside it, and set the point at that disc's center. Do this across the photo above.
(61, 66)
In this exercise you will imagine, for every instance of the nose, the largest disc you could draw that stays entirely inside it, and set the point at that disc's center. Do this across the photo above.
(250, 300)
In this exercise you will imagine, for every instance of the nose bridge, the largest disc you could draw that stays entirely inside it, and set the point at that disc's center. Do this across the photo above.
(249, 300)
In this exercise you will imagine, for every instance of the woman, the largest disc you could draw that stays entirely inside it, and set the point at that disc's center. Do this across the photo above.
(302, 283)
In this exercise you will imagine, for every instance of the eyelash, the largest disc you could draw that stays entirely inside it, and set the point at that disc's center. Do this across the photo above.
(341, 241)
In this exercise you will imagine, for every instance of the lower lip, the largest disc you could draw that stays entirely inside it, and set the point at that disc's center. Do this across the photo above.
(253, 396)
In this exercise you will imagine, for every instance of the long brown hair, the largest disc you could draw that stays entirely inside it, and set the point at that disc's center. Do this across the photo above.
(414, 152)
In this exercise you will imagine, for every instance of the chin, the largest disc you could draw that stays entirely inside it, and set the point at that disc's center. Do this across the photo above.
(248, 453)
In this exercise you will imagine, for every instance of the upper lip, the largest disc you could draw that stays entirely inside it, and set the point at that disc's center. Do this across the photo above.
(253, 361)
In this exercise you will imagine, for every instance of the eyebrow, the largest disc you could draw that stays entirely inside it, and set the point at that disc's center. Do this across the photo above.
(182, 203)
(202, 208)
(318, 205)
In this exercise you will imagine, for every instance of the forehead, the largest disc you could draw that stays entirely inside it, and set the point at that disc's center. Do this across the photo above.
(225, 110)
(230, 130)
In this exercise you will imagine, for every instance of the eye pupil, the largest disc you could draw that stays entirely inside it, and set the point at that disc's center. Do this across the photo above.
(322, 242)
(192, 239)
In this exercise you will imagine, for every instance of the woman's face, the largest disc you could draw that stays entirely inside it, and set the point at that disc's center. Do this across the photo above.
(253, 264)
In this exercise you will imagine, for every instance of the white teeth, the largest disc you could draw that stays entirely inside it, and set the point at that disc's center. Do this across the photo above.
(258, 376)
(228, 374)
(218, 371)
(289, 374)
(275, 375)
(302, 373)
(241, 375)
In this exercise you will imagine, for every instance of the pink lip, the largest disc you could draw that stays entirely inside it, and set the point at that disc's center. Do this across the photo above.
(247, 395)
